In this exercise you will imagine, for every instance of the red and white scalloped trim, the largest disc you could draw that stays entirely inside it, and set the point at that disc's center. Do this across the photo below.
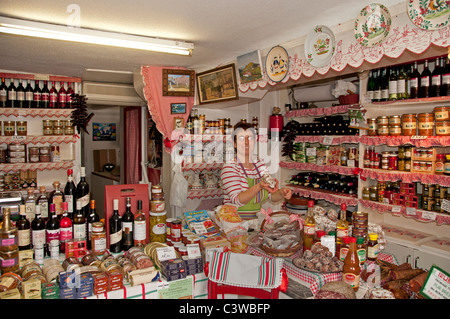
(406, 177)
(41, 139)
(36, 112)
(350, 200)
(417, 141)
(204, 193)
(343, 170)
(321, 111)
(335, 140)
(15, 167)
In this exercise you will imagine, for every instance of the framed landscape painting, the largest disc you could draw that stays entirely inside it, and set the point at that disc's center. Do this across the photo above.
(178, 82)
(217, 85)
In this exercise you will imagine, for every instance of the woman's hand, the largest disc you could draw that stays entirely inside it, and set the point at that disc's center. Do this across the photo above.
(266, 186)
(286, 192)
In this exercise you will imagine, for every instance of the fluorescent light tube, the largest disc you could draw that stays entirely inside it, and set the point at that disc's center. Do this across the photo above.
(57, 32)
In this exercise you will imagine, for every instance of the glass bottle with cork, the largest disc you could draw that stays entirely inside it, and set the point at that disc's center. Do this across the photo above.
(24, 227)
(140, 226)
(91, 218)
(351, 269)
(309, 228)
(65, 228)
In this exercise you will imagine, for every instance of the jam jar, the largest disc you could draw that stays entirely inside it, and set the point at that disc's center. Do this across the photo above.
(425, 124)
(409, 124)
(47, 127)
(21, 127)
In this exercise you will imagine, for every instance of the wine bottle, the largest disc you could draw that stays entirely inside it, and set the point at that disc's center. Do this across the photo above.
(393, 84)
(62, 97)
(127, 226)
(309, 227)
(3, 94)
(24, 227)
(30, 204)
(377, 86)
(79, 223)
(401, 83)
(65, 230)
(70, 194)
(83, 192)
(28, 95)
(56, 197)
(20, 95)
(445, 86)
(42, 202)
(436, 79)
(53, 102)
(45, 96)
(12, 95)
(415, 82)
(69, 100)
(52, 230)
(408, 71)
(37, 95)
(115, 229)
(140, 226)
(425, 81)
(38, 230)
(92, 218)
(371, 84)
(385, 85)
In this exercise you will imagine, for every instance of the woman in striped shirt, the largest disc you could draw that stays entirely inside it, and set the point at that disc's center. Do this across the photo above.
(242, 178)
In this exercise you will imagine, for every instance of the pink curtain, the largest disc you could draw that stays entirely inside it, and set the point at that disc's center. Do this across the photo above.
(159, 105)
(132, 145)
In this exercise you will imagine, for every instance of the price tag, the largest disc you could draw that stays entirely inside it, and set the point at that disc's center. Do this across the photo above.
(437, 284)
(396, 209)
(429, 215)
(351, 163)
(193, 250)
(311, 151)
(162, 285)
(18, 137)
(327, 140)
(418, 137)
(166, 253)
(445, 205)
(199, 228)
(410, 211)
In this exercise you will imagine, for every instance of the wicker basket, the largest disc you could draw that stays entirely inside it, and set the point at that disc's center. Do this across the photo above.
(281, 252)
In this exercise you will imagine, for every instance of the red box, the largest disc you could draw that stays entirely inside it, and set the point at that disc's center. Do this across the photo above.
(76, 248)
(121, 192)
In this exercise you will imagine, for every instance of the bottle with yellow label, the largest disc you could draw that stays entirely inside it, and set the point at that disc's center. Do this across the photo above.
(309, 229)
(342, 225)
(372, 247)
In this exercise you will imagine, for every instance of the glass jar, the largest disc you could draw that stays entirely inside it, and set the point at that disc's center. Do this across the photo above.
(9, 235)
(21, 127)
(441, 113)
(157, 226)
(373, 193)
(366, 193)
(9, 281)
(98, 238)
(47, 127)
(409, 124)
(425, 124)
(157, 192)
(58, 127)
(69, 128)
(372, 247)
(9, 261)
(175, 231)
(372, 123)
(9, 128)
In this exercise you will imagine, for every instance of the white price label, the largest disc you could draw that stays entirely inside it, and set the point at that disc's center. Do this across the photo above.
(418, 137)
(327, 140)
(162, 285)
(410, 211)
(199, 228)
(445, 205)
(166, 253)
(396, 209)
(311, 151)
(429, 215)
(193, 250)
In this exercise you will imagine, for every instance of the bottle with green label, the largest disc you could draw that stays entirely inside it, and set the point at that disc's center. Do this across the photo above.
(361, 250)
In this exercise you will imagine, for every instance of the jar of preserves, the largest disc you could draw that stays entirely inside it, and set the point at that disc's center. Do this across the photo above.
(425, 124)
(175, 231)
(21, 127)
(395, 120)
(58, 127)
(383, 129)
(9, 281)
(157, 192)
(372, 247)
(443, 128)
(393, 161)
(366, 193)
(9, 234)
(98, 239)
(47, 127)
(447, 164)
(395, 130)
(440, 163)
(9, 261)
(373, 193)
(69, 128)
(372, 123)
(409, 124)
(401, 165)
(157, 225)
(441, 113)
(382, 120)
(9, 128)
(157, 206)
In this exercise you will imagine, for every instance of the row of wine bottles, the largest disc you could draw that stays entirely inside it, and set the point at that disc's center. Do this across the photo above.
(25, 96)
(400, 82)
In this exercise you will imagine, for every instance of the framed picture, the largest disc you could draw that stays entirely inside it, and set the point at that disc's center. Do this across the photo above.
(217, 85)
(103, 131)
(249, 66)
(177, 108)
(178, 122)
(178, 82)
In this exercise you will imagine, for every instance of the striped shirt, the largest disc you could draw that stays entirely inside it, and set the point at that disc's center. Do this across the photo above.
(234, 180)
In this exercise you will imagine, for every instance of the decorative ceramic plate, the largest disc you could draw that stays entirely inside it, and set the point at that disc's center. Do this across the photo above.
(372, 25)
(319, 46)
(277, 63)
(429, 14)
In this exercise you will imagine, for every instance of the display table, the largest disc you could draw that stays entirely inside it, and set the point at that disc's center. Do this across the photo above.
(310, 279)
(195, 286)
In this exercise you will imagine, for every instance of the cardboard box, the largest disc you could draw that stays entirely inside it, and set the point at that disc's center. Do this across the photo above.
(101, 158)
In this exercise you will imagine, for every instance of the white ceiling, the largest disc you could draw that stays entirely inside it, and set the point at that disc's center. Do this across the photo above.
(220, 31)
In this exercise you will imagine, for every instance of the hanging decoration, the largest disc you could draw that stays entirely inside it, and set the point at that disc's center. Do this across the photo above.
(372, 25)
(320, 46)
(277, 63)
(80, 116)
(403, 35)
(429, 14)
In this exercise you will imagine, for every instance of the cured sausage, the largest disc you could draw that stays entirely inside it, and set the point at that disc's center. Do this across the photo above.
(417, 282)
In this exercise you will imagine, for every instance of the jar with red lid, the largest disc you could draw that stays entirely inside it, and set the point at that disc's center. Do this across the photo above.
(393, 161)
(440, 163)
(175, 231)
(9, 281)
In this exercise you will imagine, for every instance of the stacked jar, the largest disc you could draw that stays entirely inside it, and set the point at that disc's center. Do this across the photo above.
(157, 219)
(360, 222)
(442, 119)
(58, 127)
